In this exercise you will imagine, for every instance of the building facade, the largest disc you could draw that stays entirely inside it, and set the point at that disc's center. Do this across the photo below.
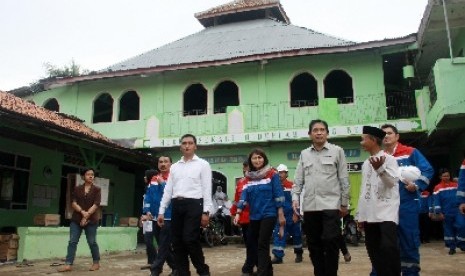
(252, 79)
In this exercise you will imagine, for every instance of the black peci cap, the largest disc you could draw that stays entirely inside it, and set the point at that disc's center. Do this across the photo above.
(377, 132)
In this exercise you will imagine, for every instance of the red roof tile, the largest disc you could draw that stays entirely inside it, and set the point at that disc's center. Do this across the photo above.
(235, 6)
(17, 105)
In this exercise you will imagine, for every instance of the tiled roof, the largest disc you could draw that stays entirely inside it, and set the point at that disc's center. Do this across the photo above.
(13, 104)
(231, 41)
(236, 6)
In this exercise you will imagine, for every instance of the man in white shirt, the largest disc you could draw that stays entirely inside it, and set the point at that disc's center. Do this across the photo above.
(378, 206)
(189, 191)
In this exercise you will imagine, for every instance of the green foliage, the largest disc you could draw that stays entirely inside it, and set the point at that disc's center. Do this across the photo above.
(71, 70)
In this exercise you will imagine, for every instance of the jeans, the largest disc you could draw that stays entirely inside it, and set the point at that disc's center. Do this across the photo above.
(75, 231)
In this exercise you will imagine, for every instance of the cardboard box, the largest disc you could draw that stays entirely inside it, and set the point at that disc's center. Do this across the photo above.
(4, 250)
(13, 244)
(47, 220)
(12, 254)
(129, 221)
(5, 237)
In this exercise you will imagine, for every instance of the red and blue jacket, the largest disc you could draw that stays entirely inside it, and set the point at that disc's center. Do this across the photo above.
(461, 185)
(444, 200)
(408, 156)
(264, 196)
(153, 197)
(244, 216)
(287, 206)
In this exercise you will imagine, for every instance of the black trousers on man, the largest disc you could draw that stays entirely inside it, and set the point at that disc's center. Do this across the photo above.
(323, 231)
(185, 224)
(382, 246)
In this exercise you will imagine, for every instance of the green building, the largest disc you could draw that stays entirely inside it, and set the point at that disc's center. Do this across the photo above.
(252, 79)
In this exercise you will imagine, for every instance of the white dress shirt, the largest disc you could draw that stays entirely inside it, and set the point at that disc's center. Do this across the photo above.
(191, 179)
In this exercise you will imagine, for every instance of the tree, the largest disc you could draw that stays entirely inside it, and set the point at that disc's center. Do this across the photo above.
(71, 70)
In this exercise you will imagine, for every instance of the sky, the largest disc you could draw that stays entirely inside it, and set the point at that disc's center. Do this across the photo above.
(99, 33)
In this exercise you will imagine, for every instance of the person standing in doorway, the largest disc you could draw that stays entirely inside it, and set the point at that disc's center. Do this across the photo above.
(293, 223)
(85, 201)
(409, 230)
(322, 173)
(378, 205)
(424, 219)
(189, 191)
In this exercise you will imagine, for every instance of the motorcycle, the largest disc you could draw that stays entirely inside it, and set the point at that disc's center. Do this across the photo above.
(213, 234)
(350, 230)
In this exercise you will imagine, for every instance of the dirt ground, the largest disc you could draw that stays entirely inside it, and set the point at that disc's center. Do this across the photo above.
(228, 260)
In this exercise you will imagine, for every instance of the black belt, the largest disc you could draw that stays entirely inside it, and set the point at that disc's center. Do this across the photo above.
(185, 198)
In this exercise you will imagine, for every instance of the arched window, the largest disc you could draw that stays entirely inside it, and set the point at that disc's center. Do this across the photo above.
(52, 105)
(129, 106)
(225, 94)
(195, 100)
(304, 90)
(338, 84)
(103, 109)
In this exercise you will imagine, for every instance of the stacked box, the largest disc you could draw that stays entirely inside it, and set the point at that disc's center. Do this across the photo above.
(47, 220)
(129, 221)
(9, 247)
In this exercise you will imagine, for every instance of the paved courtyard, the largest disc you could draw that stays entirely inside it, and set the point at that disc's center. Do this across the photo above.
(227, 260)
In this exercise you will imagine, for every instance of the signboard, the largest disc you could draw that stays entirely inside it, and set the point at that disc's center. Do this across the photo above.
(278, 135)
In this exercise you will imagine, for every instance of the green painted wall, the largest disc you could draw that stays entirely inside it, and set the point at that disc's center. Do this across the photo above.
(51, 242)
(44, 193)
(450, 91)
(264, 92)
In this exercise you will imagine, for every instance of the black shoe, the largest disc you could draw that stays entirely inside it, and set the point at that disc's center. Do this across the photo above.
(147, 266)
(276, 260)
(298, 258)
(452, 252)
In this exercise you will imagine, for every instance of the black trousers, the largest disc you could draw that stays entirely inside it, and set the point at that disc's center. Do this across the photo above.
(185, 224)
(261, 231)
(251, 245)
(165, 252)
(382, 246)
(323, 231)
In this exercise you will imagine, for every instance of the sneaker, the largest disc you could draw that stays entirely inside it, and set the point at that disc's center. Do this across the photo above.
(347, 257)
(452, 252)
(276, 260)
(298, 258)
